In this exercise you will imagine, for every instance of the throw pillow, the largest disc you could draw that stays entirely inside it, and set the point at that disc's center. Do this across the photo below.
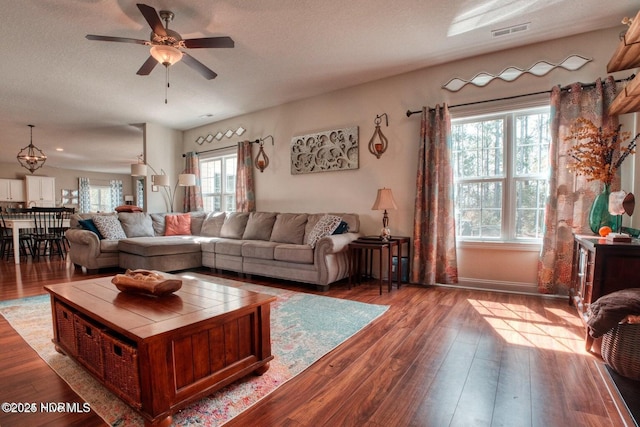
(259, 226)
(128, 208)
(177, 225)
(213, 224)
(109, 227)
(342, 228)
(136, 224)
(234, 225)
(88, 224)
(324, 227)
(289, 228)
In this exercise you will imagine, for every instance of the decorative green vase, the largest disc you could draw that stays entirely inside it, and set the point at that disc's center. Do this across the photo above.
(599, 215)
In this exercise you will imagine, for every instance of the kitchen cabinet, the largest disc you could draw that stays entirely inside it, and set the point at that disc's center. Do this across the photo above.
(12, 190)
(41, 191)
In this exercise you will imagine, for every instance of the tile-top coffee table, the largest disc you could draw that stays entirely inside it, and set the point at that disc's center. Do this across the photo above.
(160, 354)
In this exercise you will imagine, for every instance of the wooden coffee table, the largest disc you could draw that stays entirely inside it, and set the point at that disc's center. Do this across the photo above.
(160, 354)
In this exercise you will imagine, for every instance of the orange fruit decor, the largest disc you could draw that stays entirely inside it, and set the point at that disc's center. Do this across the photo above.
(604, 231)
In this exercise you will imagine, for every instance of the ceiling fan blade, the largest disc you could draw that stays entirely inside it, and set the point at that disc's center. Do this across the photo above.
(152, 18)
(209, 42)
(198, 66)
(115, 39)
(147, 67)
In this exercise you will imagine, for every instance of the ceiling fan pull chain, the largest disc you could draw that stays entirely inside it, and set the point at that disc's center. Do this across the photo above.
(166, 89)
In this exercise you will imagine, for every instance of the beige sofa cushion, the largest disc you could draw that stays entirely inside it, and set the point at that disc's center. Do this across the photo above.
(300, 254)
(258, 249)
(234, 225)
(229, 247)
(136, 224)
(289, 228)
(197, 219)
(259, 226)
(157, 220)
(212, 224)
(156, 246)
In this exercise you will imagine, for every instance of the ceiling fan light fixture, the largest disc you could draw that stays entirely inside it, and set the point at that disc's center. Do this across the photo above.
(166, 55)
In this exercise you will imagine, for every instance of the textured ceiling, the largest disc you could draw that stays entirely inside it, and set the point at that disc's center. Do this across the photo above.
(84, 96)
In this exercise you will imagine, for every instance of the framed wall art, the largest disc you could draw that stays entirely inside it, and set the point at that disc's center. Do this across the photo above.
(331, 150)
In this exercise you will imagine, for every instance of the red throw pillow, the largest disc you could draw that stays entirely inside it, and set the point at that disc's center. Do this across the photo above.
(177, 225)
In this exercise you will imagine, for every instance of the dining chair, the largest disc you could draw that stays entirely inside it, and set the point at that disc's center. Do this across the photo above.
(6, 234)
(48, 236)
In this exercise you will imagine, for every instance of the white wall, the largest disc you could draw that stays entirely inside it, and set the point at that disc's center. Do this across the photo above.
(355, 191)
(162, 147)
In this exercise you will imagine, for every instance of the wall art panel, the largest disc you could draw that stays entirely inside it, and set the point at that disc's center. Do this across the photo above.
(325, 151)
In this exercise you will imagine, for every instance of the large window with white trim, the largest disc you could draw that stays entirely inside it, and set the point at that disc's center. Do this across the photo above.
(218, 180)
(501, 166)
(100, 196)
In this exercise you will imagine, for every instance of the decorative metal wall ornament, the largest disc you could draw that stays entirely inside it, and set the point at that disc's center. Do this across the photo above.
(378, 148)
(262, 161)
(229, 134)
(325, 151)
(31, 157)
(509, 74)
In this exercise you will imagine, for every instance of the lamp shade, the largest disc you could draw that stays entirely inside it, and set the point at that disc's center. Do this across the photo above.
(186, 180)
(166, 55)
(160, 180)
(138, 169)
(384, 200)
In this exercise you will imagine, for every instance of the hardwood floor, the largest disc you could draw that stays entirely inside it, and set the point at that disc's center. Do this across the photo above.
(438, 357)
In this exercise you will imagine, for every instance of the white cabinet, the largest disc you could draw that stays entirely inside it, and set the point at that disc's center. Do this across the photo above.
(41, 191)
(12, 190)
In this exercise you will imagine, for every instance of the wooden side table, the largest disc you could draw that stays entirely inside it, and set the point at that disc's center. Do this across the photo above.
(366, 246)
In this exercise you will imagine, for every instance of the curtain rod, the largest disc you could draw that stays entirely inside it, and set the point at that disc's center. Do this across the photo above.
(566, 88)
(219, 148)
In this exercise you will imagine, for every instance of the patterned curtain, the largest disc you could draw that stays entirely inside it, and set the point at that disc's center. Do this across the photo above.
(117, 198)
(245, 189)
(84, 195)
(434, 237)
(570, 196)
(193, 195)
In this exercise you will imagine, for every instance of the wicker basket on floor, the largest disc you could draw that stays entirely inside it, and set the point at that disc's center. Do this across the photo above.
(621, 349)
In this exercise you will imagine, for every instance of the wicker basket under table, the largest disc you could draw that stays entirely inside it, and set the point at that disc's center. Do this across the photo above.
(621, 349)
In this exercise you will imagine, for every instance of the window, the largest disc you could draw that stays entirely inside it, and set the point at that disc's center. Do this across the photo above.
(500, 165)
(100, 196)
(218, 179)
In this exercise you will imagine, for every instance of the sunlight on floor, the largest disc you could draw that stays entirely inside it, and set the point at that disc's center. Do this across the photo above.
(519, 325)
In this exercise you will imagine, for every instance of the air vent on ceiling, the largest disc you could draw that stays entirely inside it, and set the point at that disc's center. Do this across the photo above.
(510, 30)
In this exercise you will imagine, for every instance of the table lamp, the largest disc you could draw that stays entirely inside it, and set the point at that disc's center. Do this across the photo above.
(384, 201)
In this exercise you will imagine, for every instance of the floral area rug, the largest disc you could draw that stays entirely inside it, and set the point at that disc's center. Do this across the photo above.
(304, 327)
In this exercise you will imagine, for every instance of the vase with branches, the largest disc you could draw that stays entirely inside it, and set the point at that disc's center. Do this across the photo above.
(597, 154)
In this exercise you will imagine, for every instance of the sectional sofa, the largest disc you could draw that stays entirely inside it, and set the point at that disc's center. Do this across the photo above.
(307, 248)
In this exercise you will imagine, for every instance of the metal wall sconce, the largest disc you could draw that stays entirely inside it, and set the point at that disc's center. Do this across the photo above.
(262, 161)
(377, 148)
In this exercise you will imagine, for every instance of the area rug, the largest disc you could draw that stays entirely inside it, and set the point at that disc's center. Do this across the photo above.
(304, 327)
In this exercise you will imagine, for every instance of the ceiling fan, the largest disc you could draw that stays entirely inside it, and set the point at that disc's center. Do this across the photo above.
(166, 45)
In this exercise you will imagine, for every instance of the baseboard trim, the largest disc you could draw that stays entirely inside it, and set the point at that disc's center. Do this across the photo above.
(500, 286)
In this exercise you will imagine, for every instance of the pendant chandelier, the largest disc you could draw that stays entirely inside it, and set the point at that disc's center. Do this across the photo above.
(31, 157)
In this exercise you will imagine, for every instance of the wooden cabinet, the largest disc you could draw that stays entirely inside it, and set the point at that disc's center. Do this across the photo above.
(41, 191)
(601, 267)
(12, 190)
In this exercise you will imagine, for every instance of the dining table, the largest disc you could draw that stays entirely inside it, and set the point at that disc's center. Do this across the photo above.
(16, 224)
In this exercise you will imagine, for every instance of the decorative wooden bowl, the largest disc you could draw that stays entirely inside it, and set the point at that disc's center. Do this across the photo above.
(147, 282)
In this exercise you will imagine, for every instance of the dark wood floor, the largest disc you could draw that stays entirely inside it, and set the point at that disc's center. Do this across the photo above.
(438, 357)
